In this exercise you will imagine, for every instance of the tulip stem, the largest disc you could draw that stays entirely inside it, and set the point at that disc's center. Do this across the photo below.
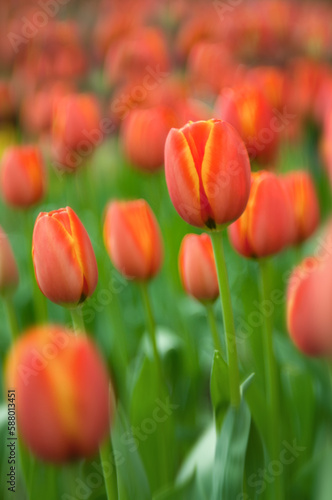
(151, 326)
(77, 319)
(271, 375)
(110, 476)
(12, 319)
(226, 305)
(162, 387)
(213, 328)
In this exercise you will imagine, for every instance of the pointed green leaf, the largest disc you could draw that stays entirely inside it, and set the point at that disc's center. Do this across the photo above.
(230, 454)
(219, 387)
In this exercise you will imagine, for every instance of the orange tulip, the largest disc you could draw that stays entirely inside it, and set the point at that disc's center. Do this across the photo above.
(248, 110)
(23, 177)
(143, 136)
(62, 398)
(197, 267)
(304, 203)
(132, 238)
(207, 173)
(77, 129)
(272, 82)
(309, 312)
(140, 55)
(64, 260)
(8, 268)
(266, 226)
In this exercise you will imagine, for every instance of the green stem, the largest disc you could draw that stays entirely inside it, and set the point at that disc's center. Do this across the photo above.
(271, 375)
(151, 326)
(106, 457)
(213, 328)
(162, 387)
(226, 304)
(77, 319)
(298, 253)
(12, 319)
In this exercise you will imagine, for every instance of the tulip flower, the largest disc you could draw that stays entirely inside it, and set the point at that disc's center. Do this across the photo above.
(248, 110)
(23, 177)
(197, 267)
(133, 239)
(304, 203)
(143, 136)
(207, 173)
(8, 268)
(272, 82)
(140, 56)
(64, 260)
(267, 225)
(309, 312)
(77, 129)
(63, 404)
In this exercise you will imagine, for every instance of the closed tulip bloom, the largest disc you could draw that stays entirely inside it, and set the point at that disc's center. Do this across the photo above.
(266, 226)
(301, 190)
(62, 393)
(143, 135)
(133, 239)
(8, 268)
(309, 312)
(249, 111)
(64, 260)
(77, 129)
(197, 267)
(207, 173)
(23, 176)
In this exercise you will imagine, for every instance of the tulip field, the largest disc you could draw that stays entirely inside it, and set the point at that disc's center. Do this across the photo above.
(166, 250)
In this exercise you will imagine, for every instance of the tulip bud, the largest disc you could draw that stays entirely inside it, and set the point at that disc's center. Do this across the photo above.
(133, 240)
(76, 129)
(207, 173)
(8, 268)
(266, 226)
(304, 202)
(197, 267)
(23, 178)
(250, 113)
(62, 398)
(143, 136)
(309, 312)
(64, 260)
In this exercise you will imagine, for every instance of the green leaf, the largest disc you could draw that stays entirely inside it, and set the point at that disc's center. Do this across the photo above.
(255, 461)
(324, 483)
(152, 417)
(184, 491)
(219, 387)
(230, 454)
(201, 460)
(130, 469)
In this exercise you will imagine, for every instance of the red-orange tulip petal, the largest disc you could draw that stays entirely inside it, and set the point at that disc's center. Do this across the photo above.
(9, 277)
(23, 178)
(304, 202)
(65, 264)
(133, 239)
(207, 173)
(309, 312)
(62, 393)
(197, 267)
(266, 226)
